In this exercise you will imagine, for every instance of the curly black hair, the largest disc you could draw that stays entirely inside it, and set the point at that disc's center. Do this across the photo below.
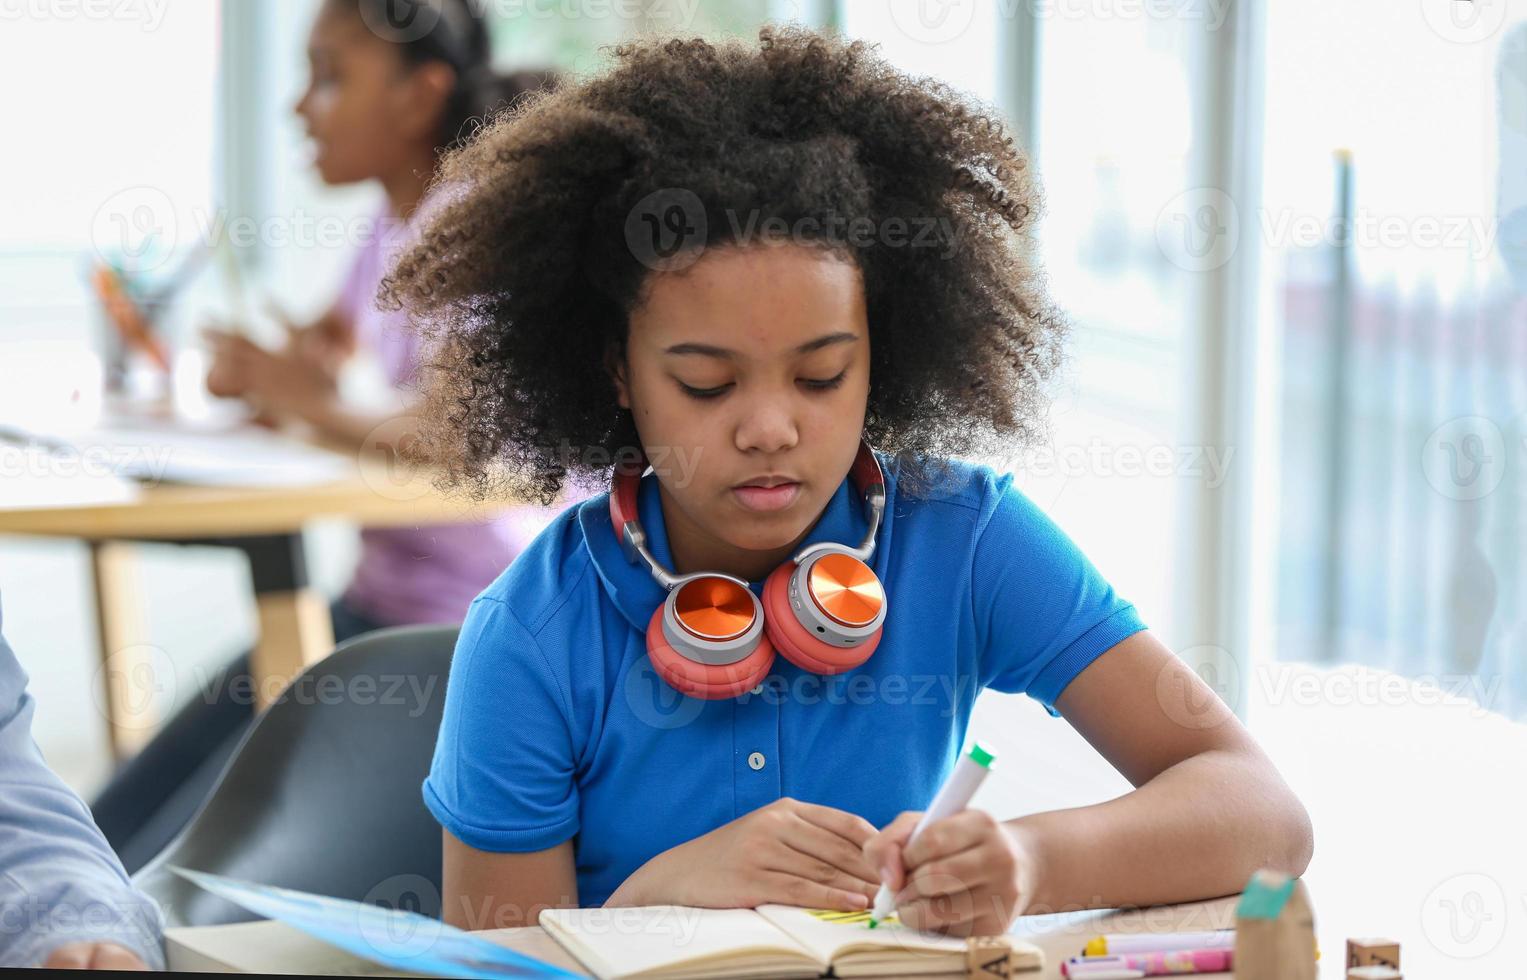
(552, 218)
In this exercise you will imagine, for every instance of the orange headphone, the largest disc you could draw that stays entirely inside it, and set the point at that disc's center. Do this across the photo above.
(713, 639)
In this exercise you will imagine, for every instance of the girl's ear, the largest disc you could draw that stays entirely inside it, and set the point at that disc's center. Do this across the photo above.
(427, 92)
(615, 367)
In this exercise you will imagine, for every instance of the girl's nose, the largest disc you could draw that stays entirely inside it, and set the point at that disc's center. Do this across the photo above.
(767, 426)
(304, 103)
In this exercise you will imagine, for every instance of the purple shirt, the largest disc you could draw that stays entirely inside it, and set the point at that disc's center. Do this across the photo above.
(430, 573)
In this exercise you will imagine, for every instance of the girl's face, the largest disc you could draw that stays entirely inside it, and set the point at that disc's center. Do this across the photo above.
(368, 114)
(752, 362)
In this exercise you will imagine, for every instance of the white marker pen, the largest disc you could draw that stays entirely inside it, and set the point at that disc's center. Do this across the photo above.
(953, 797)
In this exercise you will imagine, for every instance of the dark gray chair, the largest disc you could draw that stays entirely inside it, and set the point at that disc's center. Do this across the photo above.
(323, 792)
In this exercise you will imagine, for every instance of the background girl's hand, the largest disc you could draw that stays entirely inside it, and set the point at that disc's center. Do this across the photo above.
(225, 376)
(276, 383)
(965, 875)
(325, 344)
(788, 852)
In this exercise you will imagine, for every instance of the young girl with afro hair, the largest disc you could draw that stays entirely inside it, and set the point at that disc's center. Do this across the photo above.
(795, 283)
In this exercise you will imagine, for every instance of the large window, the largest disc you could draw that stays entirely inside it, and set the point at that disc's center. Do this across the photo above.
(1126, 460)
(1391, 230)
(111, 115)
(1114, 158)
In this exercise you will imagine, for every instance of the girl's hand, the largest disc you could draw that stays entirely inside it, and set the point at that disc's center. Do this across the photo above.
(276, 383)
(787, 852)
(226, 377)
(965, 875)
(319, 349)
(325, 344)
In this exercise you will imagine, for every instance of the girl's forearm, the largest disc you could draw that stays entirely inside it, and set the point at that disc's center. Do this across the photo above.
(351, 428)
(341, 425)
(628, 894)
(638, 888)
(1197, 830)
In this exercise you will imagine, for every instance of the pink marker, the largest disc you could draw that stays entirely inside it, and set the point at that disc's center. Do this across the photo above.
(1154, 964)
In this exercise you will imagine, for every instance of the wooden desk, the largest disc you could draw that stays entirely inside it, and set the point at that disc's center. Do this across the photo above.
(265, 523)
(283, 950)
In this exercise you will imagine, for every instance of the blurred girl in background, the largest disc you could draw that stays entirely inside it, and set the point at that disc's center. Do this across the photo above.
(383, 101)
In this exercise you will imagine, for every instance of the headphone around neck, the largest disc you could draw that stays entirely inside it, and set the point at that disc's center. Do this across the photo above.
(713, 639)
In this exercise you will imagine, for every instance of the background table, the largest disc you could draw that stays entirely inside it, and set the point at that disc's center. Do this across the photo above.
(265, 523)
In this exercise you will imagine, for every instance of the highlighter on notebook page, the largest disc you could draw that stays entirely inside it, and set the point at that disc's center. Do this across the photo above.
(952, 797)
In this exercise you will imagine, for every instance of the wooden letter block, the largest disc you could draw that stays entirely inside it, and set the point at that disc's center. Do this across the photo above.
(996, 957)
(1373, 952)
(1274, 930)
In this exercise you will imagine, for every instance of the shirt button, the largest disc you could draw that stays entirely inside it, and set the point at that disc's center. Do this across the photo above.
(756, 760)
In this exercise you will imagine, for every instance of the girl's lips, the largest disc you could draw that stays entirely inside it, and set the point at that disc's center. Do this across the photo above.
(764, 499)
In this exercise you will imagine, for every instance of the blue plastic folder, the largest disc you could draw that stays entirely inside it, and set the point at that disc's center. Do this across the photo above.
(401, 940)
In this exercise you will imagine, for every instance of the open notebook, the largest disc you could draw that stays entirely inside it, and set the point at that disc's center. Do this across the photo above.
(675, 942)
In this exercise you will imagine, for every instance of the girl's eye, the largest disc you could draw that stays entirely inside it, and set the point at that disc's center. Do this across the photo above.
(829, 384)
(813, 384)
(702, 393)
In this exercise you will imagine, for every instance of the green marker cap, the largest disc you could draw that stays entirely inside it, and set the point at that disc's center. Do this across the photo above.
(980, 756)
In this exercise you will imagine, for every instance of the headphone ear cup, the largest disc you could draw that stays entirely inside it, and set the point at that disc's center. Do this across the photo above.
(709, 682)
(795, 642)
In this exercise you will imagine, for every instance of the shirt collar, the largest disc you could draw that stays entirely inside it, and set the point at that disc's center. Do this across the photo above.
(637, 594)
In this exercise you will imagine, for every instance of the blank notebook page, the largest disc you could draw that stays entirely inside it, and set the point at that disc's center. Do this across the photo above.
(632, 941)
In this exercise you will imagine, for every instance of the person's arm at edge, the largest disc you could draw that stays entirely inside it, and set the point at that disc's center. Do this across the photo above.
(63, 891)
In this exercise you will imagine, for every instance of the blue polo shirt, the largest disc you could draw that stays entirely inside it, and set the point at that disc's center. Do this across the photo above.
(557, 726)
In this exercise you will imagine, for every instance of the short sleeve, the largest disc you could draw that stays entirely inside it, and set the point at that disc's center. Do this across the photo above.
(1043, 612)
(503, 774)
